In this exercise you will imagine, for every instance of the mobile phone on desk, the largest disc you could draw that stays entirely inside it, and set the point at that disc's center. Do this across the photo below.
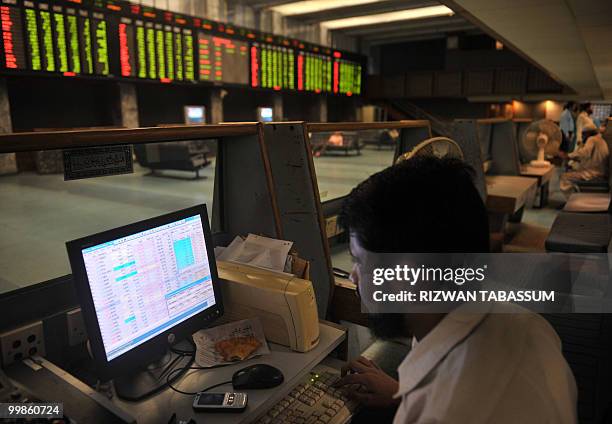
(220, 402)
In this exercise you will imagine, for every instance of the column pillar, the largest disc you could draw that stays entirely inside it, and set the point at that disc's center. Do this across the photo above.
(126, 114)
(277, 107)
(8, 161)
(216, 106)
(319, 109)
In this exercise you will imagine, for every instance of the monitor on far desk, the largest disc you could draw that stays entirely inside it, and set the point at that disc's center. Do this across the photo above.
(265, 114)
(194, 115)
(143, 287)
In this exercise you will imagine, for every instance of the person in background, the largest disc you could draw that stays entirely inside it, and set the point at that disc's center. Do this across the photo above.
(503, 366)
(568, 126)
(589, 161)
(336, 139)
(583, 120)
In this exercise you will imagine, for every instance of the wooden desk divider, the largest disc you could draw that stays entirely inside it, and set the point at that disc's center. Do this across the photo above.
(265, 183)
(295, 191)
(507, 194)
(520, 125)
(244, 201)
(294, 185)
(412, 135)
(503, 146)
(466, 135)
(483, 135)
(298, 199)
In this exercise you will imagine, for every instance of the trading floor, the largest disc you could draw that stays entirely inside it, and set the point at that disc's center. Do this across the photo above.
(180, 236)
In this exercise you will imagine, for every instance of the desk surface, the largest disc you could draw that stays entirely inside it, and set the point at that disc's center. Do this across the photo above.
(543, 174)
(294, 366)
(507, 194)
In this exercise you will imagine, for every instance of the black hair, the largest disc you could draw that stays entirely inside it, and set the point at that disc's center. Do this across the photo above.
(569, 105)
(589, 133)
(421, 205)
(585, 106)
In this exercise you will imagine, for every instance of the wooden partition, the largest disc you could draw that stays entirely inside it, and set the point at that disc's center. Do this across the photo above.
(244, 199)
(343, 303)
(520, 125)
(503, 146)
(483, 136)
(466, 135)
(296, 191)
(243, 170)
(29, 141)
(265, 183)
(506, 195)
(411, 132)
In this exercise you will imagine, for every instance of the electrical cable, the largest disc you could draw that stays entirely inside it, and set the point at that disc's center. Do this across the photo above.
(174, 371)
(215, 385)
(185, 352)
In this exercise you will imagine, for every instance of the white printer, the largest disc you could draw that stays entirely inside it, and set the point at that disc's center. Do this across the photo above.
(285, 304)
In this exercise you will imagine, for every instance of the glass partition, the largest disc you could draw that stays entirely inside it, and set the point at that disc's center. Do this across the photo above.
(343, 159)
(39, 211)
(344, 155)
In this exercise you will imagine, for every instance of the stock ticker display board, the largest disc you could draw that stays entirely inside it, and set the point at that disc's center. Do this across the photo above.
(115, 39)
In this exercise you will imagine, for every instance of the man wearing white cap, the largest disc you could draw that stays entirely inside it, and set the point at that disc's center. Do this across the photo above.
(590, 160)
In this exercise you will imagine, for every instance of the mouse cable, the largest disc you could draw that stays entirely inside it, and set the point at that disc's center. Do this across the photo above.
(174, 371)
(215, 385)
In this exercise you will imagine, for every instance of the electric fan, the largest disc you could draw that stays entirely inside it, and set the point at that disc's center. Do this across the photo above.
(541, 138)
(440, 147)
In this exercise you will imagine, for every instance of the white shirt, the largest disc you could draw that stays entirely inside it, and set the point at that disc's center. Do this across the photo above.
(487, 368)
(566, 122)
(593, 157)
(582, 121)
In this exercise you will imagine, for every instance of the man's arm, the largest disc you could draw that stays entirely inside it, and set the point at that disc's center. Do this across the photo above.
(583, 152)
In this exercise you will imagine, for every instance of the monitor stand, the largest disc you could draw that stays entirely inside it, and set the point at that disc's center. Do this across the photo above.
(154, 377)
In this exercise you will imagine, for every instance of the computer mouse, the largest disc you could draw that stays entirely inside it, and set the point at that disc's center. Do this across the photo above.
(258, 376)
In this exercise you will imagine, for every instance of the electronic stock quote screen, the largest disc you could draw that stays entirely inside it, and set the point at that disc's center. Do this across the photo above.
(55, 38)
(115, 39)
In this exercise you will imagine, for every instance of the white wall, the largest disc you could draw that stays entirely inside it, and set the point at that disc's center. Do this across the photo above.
(553, 110)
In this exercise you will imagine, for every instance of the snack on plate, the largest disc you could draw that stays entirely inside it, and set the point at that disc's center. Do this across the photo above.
(237, 348)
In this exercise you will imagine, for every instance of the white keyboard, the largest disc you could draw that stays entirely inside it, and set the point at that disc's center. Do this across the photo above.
(313, 401)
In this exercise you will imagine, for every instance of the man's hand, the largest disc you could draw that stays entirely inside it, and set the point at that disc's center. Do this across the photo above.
(376, 388)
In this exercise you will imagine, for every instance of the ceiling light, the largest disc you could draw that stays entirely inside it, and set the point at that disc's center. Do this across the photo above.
(381, 18)
(311, 6)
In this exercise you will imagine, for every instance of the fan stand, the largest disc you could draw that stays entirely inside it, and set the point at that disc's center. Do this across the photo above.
(541, 162)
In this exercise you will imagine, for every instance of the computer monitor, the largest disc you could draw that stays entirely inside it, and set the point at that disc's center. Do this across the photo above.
(142, 288)
(195, 115)
(265, 114)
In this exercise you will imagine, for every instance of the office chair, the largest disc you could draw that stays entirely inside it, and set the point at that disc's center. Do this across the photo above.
(575, 231)
(177, 155)
(587, 203)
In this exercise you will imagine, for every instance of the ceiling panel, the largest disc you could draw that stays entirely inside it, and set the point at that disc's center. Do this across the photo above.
(557, 35)
(380, 33)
